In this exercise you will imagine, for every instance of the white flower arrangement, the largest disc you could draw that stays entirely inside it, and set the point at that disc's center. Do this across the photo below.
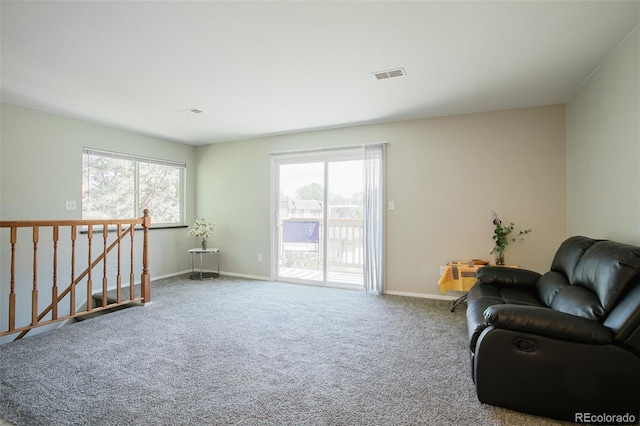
(201, 229)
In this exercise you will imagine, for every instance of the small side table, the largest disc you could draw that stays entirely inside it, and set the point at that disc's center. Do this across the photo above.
(204, 275)
(461, 276)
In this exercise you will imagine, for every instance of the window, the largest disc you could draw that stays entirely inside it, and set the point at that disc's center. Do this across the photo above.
(118, 186)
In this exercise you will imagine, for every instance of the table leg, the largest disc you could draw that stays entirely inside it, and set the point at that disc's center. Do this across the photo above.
(200, 266)
(458, 301)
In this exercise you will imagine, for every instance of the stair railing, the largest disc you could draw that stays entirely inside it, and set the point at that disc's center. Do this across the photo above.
(50, 314)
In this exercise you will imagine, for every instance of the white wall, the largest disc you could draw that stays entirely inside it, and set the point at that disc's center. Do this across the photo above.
(41, 168)
(444, 174)
(603, 149)
(41, 159)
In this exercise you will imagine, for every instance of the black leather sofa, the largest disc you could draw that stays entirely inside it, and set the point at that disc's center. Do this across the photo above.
(565, 344)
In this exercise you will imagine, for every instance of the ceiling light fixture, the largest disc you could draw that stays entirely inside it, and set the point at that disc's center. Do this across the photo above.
(396, 72)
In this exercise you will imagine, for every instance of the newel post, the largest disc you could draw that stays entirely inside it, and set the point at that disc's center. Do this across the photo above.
(145, 282)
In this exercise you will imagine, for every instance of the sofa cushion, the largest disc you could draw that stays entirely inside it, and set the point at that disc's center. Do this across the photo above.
(569, 254)
(579, 301)
(549, 285)
(607, 268)
(520, 296)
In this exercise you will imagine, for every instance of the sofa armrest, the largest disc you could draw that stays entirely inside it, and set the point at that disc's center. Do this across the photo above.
(500, 275)
(547, 322)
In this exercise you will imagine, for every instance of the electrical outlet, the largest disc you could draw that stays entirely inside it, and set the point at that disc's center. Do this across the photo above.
(70, 205)
(392, 205)
(259, 257)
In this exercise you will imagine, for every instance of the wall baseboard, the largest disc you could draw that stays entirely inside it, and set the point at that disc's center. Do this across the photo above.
(173, 274)
(393, 293)
(250, 277)
(421, 295)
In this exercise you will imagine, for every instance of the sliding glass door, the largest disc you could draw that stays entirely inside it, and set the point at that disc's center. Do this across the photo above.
(344, 223)
(319, 219)
(301, 213)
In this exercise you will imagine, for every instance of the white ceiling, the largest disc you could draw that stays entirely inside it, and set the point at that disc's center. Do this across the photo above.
(264, 68)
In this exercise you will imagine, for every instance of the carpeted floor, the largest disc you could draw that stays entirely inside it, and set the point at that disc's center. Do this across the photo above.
(240, 352)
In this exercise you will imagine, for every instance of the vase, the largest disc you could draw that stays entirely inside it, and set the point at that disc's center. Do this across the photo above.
(204, 244)
(499, 257)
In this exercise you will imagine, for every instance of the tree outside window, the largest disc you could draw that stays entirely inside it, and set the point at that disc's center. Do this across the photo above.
(122, 186)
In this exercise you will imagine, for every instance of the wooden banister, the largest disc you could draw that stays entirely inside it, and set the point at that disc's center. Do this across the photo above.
(38, 318)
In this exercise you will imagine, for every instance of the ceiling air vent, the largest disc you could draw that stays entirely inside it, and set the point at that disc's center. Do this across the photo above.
(189, 111)
(396, 72)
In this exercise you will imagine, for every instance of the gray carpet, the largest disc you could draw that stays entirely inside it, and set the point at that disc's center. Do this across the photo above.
(240, 352)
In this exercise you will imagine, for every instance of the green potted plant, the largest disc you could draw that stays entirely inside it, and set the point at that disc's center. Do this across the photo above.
(501, 237)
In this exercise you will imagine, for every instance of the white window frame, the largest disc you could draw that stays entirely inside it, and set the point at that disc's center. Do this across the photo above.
(137, 159)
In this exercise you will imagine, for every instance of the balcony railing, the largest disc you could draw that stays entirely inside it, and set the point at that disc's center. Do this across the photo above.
(344, 247)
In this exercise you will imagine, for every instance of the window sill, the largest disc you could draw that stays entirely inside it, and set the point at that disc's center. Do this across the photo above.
(137, 228)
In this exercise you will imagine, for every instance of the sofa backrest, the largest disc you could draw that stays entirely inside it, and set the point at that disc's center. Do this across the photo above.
(589, 276)
(569, 254)
(607, 268)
